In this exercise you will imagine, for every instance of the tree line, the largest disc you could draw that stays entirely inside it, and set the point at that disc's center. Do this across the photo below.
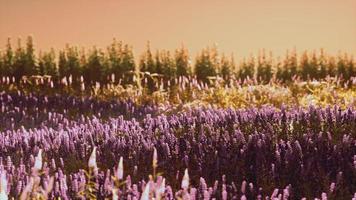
(117, 63)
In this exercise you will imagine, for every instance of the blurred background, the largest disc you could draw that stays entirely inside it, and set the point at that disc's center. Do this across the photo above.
(235, 26)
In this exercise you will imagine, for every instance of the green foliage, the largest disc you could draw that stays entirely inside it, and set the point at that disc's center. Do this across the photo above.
(19, 61)
(322, 65)
(47, 64)
(2, 64)
(23, 63)
(227, 68)
(289, 68)
(168, 66)
(246, 69)
(308, 67)
(147, 63)
(182, 62)
(345, 67)
(206, 63)
(117, 64)
(30, 60)
(120, 62)
(264, 69)
(73, 64)
(8, 60)
(95, 69)
(127, 63)
(62, 64)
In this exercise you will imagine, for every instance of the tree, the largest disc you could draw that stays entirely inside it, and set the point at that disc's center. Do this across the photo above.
(114, 60)
(19, 61)
(83, 60)
(322, 65)
(345, 67)
(288, 67)
(246, 69)
(182, 62)
(8, 59)
(314, 65)
(264, 68)
(73, 63)
(62, 65)
(204, 65)
(94, 70)
(30, 60)
(351, 69)
(292, 64)
(305, 67)
(226, 68)
(41, 65)
(331, 66)
(150, 64)
(147, 64)
(127, 63)
(168, 65)
(158, 64)
(47, 65)
(2, 66)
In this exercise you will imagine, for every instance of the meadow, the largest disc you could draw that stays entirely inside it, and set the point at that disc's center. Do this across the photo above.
(99, 124)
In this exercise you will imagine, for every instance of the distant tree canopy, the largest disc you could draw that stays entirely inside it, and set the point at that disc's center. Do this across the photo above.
(117, 64)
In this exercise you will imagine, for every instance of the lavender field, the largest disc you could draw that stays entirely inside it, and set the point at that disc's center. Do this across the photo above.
(71, 146)
(103, 125)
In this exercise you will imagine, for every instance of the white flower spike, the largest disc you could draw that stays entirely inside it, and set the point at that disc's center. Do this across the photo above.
(155, 159)
(146, 193)
(120, 169)
(114, 194)
(3, 186)
(38, 161)
(185, 181)
(92, 159)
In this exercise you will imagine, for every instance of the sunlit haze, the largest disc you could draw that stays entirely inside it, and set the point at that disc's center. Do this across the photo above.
(236, 26)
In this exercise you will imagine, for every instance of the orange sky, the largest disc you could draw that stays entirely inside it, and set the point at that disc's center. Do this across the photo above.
(237, 26)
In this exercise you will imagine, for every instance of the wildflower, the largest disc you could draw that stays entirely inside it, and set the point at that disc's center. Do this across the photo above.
(120, 169)
(114, 194)
(49, 185)
(332, 187)
(70, 79)
(155, 160)
(97, 85)
(82, 86)
(27, 189)
(161, 188)
(38, 161)
(146, 193)
(185, 181)
(3, 186)
(92, 160)
(243, 187)
(64, 81)
(113, 78)
(224, 195)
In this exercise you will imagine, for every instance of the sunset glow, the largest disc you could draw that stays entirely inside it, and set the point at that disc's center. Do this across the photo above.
(239, 27)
